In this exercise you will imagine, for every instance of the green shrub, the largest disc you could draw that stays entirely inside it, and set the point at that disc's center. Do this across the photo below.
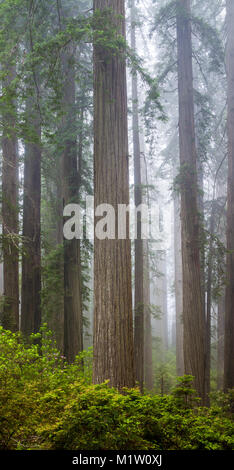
(28, 372)
(47, 404)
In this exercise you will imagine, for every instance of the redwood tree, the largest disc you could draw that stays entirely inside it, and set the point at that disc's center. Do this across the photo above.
(178, 282)
(193, 312)
(31, 261)
(10, 314)
(70, 177)
(139, 255)
(73, 334)
(113, 329)
(229, 315)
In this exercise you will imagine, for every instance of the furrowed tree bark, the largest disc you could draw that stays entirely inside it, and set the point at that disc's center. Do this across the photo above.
(54, 304)
(178, 285)
(10, 313)
(229, 316)
(200, 178)
(139, 255)
(148, 358)
(31, 260)
(113, 328)
(209, 299)
(220, 341)
(73, 328)
(148, 352)
(162, 300)
(193, 312)
(73, 321)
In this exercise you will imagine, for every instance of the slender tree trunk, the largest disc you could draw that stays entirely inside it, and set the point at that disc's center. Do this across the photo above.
(229, 316)
(205, 289)
(10, 314)
(73, 321)
(193, 312)
(209, 301)
(178, 286)
(147, 318)
(139, 261)
(31, 261)
(53, 309)
(113, 329)
(73, 328)
(164, 306)
(200, 203)
(220, 338)
(148, 352)
(160, 327)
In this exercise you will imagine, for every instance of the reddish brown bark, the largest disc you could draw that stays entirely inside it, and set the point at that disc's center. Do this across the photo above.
(113, 329)
(229, 315)
(73, 327)
(10, 314)
(193, 312)
(178, 285)
(139, 255)
(220, 341)
(31, 261)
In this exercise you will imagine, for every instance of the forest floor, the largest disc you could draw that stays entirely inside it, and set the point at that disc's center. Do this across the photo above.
(47, 404)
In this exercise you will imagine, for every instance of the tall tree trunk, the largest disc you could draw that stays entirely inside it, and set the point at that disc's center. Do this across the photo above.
(10, 314)
(178, 285)
(162, 256)
(229, 316)
(209, 300)
(159, 296)
(31, 261)
(53, 308)
(193, 312)
(148, 351)
(139, 261)
(73, 328)
(220, 340)
(200, 180)
(205, 288)
(113, 329)
(200, 202)
(73, 321)
(147, 320)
